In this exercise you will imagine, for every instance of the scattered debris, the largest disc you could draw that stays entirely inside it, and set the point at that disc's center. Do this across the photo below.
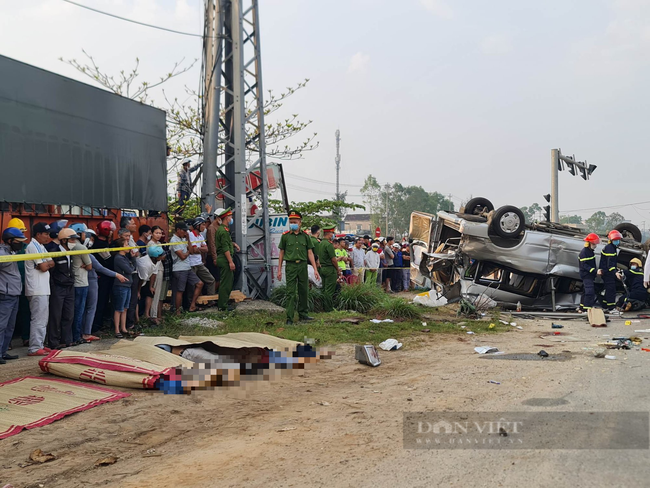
(323, 403)
(430, 299)
(645, 349)
(424, 324)
(425, 330)
(377, 321)
(390, 345)
(494, 382)
(351, 320)
(503, 432)
(367, 355)
(542, 354)
(504, 322)
(491, 326)
(470, 332)
(38, 456)
(596, 317)
(557, 326)
(486, 349)
(600, 353)
(628, 322)
(610, 357)
(107, 461)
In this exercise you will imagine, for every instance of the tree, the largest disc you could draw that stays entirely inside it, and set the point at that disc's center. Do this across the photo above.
(531, 213)
(184, 119)
(613, 220)
(571, 219)
(320, 212)
(597, 222)
(395, 203)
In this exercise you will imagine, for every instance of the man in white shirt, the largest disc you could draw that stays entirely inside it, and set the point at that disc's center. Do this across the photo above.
(198, 250)
(358, 258)
(37, 289)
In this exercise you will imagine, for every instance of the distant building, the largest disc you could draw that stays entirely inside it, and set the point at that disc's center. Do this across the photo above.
(357, 224)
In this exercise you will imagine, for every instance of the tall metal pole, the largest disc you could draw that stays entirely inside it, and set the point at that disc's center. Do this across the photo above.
(212, 93)
(338, 170)
(555, 162)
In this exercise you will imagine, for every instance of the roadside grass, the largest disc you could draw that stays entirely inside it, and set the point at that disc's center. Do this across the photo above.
(327, 328)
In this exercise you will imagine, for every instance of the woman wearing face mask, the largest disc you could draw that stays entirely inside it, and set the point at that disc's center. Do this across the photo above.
(162, 284)
(637, 294)
(608, 264)
(588, 272)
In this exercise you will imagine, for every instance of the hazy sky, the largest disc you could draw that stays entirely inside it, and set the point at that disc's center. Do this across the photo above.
(464, 97)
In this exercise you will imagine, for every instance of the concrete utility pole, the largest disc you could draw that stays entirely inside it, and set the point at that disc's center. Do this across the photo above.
(233, 70)
(558, 162)
(555, 187)
(387, 187)
(337, 160)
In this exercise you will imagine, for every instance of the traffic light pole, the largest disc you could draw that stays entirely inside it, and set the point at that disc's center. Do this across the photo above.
(555, 187)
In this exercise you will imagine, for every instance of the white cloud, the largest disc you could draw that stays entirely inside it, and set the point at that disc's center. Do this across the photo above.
(496, 44)
(359, 63)
(438, 8)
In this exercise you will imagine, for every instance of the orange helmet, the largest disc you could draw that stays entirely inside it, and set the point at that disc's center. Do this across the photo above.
(614, 235)
(593, 238)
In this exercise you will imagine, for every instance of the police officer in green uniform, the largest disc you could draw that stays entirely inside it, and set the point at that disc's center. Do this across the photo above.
(225, 250)
(296, 247)
(329, 268)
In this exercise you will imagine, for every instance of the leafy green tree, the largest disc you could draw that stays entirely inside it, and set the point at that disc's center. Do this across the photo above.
(597, 222)
(571, 219)
(613, 220)
(532, 213)
(320, 212)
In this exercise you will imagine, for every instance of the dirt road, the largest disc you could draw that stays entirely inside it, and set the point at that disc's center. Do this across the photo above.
(340, 423)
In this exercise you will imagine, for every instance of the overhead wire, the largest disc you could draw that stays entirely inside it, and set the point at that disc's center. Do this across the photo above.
(607, 207)
(133, 21)
(320, 181)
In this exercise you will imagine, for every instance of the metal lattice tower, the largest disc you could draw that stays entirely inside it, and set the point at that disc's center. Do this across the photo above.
(234, 162)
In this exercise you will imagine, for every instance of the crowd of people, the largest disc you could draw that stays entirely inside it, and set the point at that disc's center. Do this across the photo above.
(365, 260)
(66, 293)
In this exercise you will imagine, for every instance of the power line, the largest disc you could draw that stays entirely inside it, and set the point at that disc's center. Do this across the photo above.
(133, 21)
(320, 181)
(601, 208)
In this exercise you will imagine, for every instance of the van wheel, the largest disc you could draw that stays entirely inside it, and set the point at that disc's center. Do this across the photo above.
(629, 231)
(508, 222)
(478, 205)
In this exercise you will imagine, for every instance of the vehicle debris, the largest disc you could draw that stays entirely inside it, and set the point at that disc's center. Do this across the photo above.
(390, 345)
(557, 326)
(542, 354)
(486, 349)
(367, 354)
(483, 251)
(494, 382)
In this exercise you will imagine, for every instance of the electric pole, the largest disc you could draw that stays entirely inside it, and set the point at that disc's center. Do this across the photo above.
(234, 137)
(337, 160)
(387, 187)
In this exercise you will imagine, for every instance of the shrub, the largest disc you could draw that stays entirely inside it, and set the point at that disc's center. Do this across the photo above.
(314, 300)
(397, 308)
(361, 297)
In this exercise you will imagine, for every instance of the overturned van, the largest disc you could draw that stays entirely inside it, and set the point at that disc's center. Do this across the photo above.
(494, 252)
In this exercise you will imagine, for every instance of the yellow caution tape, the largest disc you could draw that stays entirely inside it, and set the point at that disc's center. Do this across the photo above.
(14, 258)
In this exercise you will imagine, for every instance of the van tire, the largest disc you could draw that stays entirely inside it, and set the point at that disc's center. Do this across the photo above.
(478, 205)
(631, 230)
(508, 222)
